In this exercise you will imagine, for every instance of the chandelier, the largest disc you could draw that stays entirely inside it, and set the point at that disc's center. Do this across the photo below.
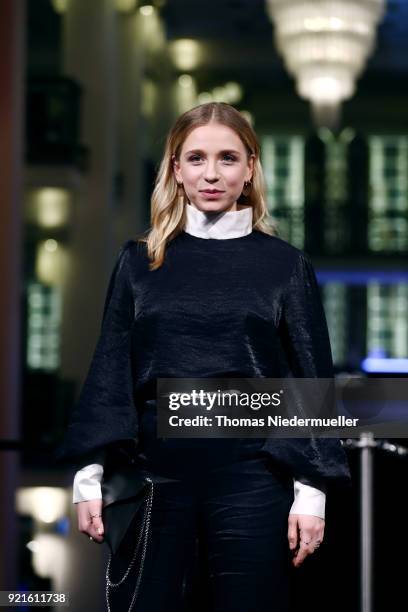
(325, 45)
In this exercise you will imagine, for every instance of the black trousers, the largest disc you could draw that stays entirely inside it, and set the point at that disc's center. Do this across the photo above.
(218, 537)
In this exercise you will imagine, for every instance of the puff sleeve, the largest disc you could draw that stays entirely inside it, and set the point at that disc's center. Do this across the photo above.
(105, 410)
(303, 325)
(304, 336)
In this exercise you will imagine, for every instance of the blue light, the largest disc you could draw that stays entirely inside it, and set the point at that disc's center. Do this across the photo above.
(62, 526)
(385, 365)
(362, 277)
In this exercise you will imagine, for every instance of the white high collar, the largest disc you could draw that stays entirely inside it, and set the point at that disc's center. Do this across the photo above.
(230, 224)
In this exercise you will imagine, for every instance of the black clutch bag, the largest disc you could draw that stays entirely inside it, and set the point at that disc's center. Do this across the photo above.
(123, 493)
(125, 489)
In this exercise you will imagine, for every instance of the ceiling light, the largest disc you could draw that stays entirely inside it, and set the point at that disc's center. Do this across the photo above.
(325, 45)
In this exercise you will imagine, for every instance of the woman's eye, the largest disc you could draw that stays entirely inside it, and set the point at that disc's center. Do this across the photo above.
(228, 157)
(231, 157)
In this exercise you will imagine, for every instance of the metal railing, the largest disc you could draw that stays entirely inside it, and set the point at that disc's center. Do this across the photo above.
(367, 445)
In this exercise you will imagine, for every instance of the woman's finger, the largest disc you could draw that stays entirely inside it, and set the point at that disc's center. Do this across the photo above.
(89, 521)
(311, 531)
(303, 551)
(292, 531)
(97, 529)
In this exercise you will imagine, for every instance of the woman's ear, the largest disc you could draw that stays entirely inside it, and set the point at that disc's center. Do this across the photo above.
(176, 168)
(251, 163)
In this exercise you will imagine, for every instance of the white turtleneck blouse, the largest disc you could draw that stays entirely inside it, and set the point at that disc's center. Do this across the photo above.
(224, 225)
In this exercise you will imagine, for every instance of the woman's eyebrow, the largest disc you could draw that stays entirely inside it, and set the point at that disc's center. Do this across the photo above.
(221, 152)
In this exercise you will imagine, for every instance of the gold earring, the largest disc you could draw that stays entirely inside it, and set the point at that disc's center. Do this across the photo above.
(247, 188)
(180, 191)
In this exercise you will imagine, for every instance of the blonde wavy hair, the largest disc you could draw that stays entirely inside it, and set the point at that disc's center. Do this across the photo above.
(168, 199)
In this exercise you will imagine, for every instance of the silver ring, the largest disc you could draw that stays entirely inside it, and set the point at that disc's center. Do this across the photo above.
(90, 537)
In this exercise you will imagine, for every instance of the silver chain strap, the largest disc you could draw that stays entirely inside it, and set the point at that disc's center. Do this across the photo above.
(144, 535)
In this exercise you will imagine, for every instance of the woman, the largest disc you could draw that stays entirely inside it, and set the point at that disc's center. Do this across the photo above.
(211, 291)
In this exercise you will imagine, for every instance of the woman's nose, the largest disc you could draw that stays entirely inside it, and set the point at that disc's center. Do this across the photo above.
(211, 172)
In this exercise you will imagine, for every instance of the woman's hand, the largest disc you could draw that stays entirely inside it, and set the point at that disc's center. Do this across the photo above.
(87, 525)
(305, 534)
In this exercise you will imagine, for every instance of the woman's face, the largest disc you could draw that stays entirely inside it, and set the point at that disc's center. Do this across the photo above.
(213, 158)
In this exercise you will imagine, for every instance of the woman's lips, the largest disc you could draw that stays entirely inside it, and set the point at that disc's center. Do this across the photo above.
(212, 194)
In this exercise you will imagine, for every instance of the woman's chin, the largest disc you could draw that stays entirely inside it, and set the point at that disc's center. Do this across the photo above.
(215, 206)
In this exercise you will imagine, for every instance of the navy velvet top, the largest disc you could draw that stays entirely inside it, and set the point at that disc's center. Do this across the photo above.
(237, 307)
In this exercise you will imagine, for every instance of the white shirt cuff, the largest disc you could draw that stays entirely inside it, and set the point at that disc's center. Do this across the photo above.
(87, 483)
(308, 500)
